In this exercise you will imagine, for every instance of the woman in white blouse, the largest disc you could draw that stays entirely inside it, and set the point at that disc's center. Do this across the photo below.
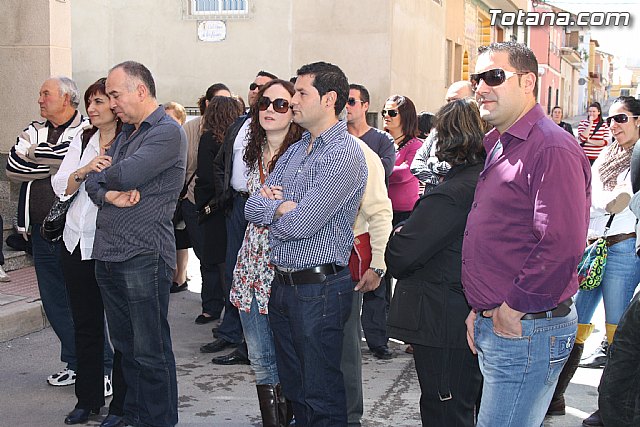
(87, 153)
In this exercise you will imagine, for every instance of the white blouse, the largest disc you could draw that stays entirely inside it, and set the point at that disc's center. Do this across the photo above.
(81, 217)
(625, 221)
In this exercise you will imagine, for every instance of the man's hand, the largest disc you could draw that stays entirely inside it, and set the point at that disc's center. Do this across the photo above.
(369, 281)
(123, 199)
(284, 207)
(273, 192)
(471, 318)
(506, 321)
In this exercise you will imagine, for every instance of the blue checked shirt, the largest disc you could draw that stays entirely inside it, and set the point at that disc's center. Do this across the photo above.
(327, 184)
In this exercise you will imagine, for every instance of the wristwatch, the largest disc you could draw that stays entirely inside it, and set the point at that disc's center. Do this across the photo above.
(77, 178)
(380, 272)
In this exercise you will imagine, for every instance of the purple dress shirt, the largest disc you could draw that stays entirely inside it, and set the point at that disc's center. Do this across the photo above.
(528, 223)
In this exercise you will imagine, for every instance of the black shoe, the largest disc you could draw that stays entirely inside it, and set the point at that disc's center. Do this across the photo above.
(236, 357)
(202, 319)
(598, 358)
(214, 331)
(216, 346)
(382, 352)
(80, 415)
(112, 421)
(175, 288)
(594, 420)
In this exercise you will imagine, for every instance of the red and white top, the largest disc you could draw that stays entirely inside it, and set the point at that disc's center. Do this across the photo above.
(595, 142)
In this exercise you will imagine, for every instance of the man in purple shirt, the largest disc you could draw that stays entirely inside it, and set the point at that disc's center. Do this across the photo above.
(525, 235)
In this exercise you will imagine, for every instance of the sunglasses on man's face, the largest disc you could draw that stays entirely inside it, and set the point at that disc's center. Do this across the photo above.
(619, 118)
(352, 102)
(390, 113)
(492, 78)
(279, 105)
(254, 86)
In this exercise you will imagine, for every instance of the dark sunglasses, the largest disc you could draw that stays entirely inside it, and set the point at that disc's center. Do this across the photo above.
(279, 105)
(254, 86)
(352, 101)
(391, 113)
(619, 118)
(492, 78)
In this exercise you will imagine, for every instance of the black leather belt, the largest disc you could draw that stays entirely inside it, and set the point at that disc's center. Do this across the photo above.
(316, 274)
(561, 310)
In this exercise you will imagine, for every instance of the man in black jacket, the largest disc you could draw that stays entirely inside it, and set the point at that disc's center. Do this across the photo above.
(231, 183)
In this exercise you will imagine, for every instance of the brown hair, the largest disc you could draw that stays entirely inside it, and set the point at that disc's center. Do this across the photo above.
(221, 112)
(257, 135)
(408, 117)
(99, 87)
(460, 133)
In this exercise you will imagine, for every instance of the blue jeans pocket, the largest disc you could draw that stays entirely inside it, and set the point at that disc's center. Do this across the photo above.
(559, 349)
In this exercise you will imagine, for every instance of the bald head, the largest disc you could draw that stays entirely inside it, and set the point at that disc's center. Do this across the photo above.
(459, 90)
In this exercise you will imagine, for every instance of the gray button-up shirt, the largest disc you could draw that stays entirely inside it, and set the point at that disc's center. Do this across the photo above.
(151, 160)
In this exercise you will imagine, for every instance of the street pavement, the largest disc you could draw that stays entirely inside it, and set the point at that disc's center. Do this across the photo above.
(211, 395)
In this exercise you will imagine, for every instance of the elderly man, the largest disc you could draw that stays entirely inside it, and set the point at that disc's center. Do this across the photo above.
(134, 244)
(309, 202)
(522, 243)
(32, 161)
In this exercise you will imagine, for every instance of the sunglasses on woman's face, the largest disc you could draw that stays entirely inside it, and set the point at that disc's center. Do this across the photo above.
(254, 86)
(492, 78)
(279, 105)
(391, 113)
(619, 118)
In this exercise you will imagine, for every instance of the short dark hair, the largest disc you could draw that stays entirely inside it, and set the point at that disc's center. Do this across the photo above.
(408, 116)
(96, 88)
(521, 57)
(216, 87)
(364, 93)
(328, 77)
(426, 122)
(554, 108)
(266, 74)
(460, 133)
(139, 71)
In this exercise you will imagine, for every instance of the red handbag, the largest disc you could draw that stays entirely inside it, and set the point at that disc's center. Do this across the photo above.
(360, 258)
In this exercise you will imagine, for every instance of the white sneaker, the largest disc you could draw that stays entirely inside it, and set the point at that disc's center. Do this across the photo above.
(65, 377)
(108, 390)
(4, 277)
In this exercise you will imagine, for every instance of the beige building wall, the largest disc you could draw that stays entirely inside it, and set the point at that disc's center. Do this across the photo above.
(35, 44)
(389, 46)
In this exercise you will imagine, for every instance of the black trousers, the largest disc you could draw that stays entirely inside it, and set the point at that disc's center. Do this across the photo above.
(464, 381)
(87, 311)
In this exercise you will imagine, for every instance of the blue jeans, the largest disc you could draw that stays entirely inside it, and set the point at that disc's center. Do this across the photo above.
(619, 281)
(259, 338)
(53, 292)
(520, 374)
(351, 363)
(231, 329)
(136, 299)
(212, 293)
(307, 323)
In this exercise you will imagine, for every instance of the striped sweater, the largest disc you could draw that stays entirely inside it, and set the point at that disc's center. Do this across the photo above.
(594, 144)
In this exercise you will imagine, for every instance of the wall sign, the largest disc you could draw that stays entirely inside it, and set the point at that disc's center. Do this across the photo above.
(212, 31)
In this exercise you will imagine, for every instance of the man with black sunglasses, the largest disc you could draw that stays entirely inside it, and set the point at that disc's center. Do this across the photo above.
(525, 235)
(230, 177)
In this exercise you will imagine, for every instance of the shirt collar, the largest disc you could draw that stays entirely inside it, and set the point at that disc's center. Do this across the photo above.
(151, 120)
(520, 129)
(64, 125)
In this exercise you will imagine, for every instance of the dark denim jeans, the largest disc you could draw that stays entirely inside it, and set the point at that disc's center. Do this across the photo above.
(53, 293)
(212, 293)
(136, 299)
(231, 327)
(308, 323)
(619, 389)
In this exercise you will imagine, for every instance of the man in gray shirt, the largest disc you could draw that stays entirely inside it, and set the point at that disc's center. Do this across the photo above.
(134, 245)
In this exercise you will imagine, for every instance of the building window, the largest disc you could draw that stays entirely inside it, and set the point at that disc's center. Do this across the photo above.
(219, 7)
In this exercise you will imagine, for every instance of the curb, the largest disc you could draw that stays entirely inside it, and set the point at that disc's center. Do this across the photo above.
(21, 318)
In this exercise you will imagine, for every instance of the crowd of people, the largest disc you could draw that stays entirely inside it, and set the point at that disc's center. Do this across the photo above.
(303, 216)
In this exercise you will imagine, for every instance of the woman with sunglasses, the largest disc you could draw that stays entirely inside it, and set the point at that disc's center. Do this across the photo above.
(611, 187)
(429, 307)
(593, 132)
(270, 134)
(87, 154)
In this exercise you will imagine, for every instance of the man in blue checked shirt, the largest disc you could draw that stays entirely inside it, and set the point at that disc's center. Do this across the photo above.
(310, 202)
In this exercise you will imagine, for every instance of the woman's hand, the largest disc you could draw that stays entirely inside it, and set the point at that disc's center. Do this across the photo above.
(97, 164)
